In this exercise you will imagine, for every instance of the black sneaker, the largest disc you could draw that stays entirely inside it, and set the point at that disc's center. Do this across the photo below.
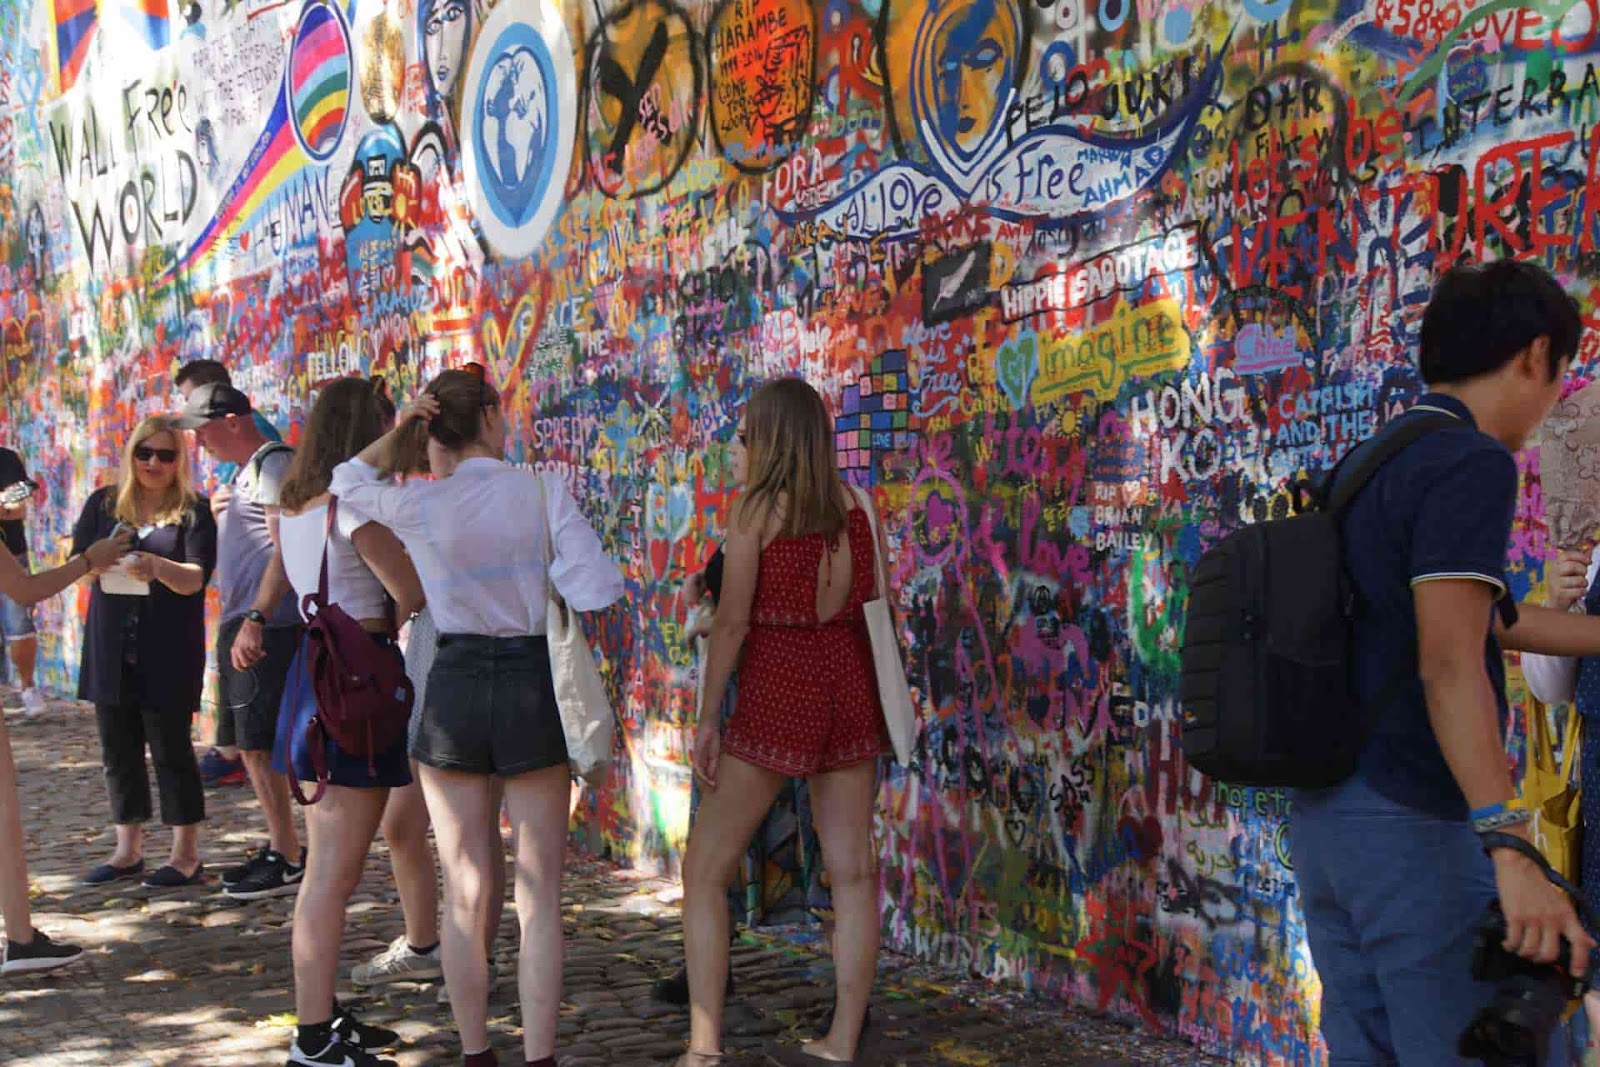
(234, 875)
(362, 1035)
(273, 877)
(339, 1053)
(40, 954)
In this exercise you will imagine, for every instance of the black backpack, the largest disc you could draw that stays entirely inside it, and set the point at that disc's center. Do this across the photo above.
(1266, 687)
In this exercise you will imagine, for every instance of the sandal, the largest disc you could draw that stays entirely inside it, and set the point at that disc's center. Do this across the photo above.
(797, 1056)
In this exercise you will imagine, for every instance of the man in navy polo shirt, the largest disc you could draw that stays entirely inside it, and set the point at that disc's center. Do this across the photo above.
(1392, 875)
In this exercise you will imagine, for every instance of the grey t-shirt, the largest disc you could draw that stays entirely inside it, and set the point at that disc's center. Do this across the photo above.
(244, 547)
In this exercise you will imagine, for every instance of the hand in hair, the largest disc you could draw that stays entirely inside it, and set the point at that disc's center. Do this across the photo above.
(424, 407)
(398, 447)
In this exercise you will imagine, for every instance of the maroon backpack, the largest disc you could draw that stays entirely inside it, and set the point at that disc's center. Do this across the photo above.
(363, 694)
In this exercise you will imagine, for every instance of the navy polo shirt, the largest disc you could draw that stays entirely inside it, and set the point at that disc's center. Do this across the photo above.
(1441, 509)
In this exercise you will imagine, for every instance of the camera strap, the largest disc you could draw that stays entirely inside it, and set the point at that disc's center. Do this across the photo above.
(1497, 839)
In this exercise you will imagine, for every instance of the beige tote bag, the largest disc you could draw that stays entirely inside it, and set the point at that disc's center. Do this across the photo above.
(894, 692)
(586, 716)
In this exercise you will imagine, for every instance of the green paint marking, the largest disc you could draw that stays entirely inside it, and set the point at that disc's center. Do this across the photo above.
(1553, 11)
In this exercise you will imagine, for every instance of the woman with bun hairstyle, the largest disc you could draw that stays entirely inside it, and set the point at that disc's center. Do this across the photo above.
(479, 534)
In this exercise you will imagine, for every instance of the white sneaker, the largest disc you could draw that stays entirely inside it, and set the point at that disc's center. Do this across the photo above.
(494, 976)
(398, 963)
(33, 703)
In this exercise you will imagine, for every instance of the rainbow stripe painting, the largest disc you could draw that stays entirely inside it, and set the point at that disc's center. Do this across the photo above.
(319, 80)
(308, 121)
(75, 25)
(275, 157)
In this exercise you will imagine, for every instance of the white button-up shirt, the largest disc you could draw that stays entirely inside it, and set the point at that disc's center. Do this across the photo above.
(478, 538)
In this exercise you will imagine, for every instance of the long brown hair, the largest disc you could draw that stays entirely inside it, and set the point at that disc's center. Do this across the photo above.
(465, 397)
(794, 471)
(349, 415)
(179, 498)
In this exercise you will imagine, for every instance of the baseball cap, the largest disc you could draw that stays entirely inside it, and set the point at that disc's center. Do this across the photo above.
(212, 401)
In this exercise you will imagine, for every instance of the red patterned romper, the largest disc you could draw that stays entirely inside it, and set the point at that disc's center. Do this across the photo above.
(808, 692)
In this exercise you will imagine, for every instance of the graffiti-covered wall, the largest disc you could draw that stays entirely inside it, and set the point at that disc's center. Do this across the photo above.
(1086, 281)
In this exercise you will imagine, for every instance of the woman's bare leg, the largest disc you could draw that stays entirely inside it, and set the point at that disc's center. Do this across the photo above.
(727, 819)
(460, 805)
(340, 828)
(416, 878)
(842, 807)
(537, 804)
(13, 864)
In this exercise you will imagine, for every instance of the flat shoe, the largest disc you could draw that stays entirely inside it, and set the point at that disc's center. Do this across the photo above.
(106, 874)
(169, 877)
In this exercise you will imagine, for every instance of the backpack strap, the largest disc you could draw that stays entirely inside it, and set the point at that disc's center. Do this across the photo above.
(1365, 460)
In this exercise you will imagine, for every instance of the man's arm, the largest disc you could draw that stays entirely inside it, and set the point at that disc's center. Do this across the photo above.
(1452, 622)
(248, 647)
(1550, 632)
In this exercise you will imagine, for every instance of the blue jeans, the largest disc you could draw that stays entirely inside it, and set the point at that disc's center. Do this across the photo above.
(1390, 897)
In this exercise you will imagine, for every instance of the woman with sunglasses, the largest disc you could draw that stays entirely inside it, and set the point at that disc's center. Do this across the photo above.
(479, 534)
(144, 649)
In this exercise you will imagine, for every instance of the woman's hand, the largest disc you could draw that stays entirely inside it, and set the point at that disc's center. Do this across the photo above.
(694, 589)
(1567, 578)
(707, 754)
(105, 552)
(424, 407)
(144, 567)
(247, 650)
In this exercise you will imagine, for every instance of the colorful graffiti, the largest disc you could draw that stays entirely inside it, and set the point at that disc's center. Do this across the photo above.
(1088, 281)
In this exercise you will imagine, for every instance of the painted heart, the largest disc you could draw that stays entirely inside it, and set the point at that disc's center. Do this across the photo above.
(1016, 368)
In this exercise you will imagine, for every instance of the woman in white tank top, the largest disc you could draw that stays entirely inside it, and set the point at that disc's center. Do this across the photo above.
(371, 578)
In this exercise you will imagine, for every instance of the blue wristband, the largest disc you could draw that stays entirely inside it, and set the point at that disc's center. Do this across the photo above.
(1485, 812)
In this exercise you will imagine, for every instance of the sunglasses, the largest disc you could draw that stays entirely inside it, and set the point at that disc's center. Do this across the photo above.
(480, 372)
(144, 454)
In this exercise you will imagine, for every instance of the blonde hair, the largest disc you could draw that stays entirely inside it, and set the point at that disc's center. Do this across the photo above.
(180, 497)
(794, 471)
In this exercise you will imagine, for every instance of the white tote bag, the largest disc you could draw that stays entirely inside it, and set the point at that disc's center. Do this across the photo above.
(586, 716)
(894, 692)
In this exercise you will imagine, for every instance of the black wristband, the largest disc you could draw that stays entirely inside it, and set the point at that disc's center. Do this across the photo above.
(256, 617)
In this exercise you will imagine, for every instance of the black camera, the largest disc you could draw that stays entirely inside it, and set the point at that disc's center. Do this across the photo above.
(1514, 1028)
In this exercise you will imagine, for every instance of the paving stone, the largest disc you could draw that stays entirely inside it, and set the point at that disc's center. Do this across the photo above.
(162, 974)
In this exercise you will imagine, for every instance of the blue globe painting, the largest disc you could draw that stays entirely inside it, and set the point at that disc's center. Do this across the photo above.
(515, 127)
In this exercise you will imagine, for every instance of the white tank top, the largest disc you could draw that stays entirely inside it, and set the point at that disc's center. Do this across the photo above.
(351, 584)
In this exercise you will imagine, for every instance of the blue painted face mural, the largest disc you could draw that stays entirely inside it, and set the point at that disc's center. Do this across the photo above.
(444, 32)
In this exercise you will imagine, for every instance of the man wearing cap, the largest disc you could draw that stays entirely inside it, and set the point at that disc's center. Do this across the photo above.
(260, 628)
(221, 764)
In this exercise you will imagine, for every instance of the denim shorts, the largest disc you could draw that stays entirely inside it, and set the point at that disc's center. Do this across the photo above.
(490, 707)
(16, 620)
(291, 754)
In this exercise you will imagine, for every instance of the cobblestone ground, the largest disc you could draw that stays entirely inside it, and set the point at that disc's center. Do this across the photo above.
(193, 979)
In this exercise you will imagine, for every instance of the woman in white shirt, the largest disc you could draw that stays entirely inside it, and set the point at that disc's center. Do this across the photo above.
(478, 534)
(371, 578)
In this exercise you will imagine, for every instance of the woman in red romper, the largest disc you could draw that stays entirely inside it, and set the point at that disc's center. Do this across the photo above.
(800, 563)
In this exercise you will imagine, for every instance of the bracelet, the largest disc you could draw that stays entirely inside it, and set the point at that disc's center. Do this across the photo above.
(1488, 824)
(1487, 810)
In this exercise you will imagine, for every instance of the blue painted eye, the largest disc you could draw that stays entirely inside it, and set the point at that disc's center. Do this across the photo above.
(985, 55)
